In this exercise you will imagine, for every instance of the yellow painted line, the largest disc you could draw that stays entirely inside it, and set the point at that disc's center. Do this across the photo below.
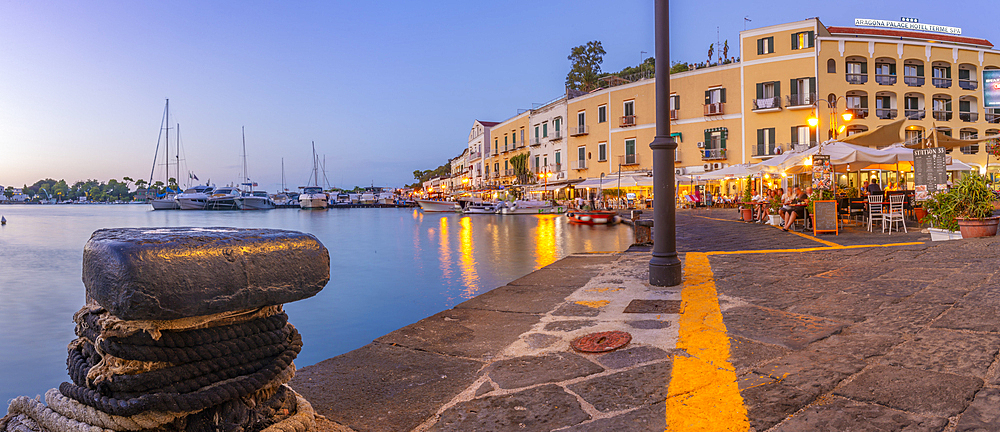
(596, 304)
(813, 238)
(703, 393)
(813, 249)
(717, 219)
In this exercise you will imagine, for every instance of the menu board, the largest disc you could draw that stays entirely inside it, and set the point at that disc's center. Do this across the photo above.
(929, 172)
(825, 217)
(822, 172)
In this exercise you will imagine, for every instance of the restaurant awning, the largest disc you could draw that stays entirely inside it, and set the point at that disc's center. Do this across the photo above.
(881, 136)
(946, 141)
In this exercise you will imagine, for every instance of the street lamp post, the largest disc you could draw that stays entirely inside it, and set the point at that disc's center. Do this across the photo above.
(664, 266)
(835, 127)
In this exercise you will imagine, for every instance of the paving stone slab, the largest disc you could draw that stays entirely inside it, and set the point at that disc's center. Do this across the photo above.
(854, 273)
(906, 316)
(557, 277)
(649, 418)
(840, 306)
(983, 414)
(790, 330)
(621, 359)
(579, 261)
(913, 390)
(569, 325)
(648, 324)
(576, 310)
(912, 273)
(171, 273)
(839, 414)
(382, 387)
(940, 350)
(745, 353)
(977, 311)
(891, 289)
(628, 389)
(472, 333)
(539, 409)
(816, 372)
(858, 344)
(531, 370)
(769, 404)
(520, 298)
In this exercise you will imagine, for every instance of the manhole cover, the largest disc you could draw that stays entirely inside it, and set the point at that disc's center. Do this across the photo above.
(601, 342)
(654, 306)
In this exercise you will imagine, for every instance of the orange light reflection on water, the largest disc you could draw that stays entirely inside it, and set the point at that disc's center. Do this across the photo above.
(545, 241)
(467, 259)
(444, 248)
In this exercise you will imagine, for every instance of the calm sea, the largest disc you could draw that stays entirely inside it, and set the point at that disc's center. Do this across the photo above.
(388, 268)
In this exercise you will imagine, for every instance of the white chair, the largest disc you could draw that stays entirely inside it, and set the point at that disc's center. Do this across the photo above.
(894, 214)
(875, 211)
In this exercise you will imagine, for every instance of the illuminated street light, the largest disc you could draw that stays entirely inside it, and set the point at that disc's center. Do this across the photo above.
(813, 121)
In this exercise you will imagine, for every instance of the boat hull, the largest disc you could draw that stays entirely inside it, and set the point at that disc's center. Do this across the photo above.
(192, 203)
(254, 203)
(437, 206)
(313, 201)
(165, 204)
(593, 217)
(221, 204)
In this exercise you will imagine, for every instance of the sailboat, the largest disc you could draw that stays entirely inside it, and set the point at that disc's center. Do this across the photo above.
(167, 202)
(251, 199)
(312, 196)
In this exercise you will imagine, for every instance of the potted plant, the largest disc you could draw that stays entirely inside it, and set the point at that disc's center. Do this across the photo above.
(747, 209)
(940, 208)
(967, 207)
(775, 205)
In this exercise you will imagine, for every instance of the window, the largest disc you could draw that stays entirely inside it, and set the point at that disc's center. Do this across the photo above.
(942, 105)
(913, 70)
(496, 145)
(630, 151)
(856, 67)
(504, 142)
(545, 129)
(506, 167)
(558, 159)
(537, 166)
(522, 136)
(972, 149)
(802, 135)
(602, 151)
(581, 118)
(496, 168)
(629, 108)
(831, 66)
(765, 45)
(675, 102)
(536, 133)
(941, 72)
(964, 106)
(714, 96)
(555, 125)
(581, 153)
(765, 142)
(802, 40)
(802, 91)
(768, 94)
(602, 113)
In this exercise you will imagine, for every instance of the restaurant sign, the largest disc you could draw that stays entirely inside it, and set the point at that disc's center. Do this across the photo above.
(929, 171)
(902, 25)
(991, 88)
(822, 173)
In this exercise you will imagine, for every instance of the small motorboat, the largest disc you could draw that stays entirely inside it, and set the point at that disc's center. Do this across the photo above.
(3, 220)
(429, 205)
(595, 217)
(529, 207)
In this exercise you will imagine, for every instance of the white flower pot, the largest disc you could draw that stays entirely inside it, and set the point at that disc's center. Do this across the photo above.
(938, 234)
(774, 220)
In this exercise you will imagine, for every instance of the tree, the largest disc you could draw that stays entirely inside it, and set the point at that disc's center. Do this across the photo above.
(711, 51)
(8, 192)
(586, 67)
(519, 164)
(678, 67)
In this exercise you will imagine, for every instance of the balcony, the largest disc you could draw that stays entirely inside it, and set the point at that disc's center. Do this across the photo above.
(804, 99)
(942, 115)
(993, 117)
(858, 113)
(556, 135)
(579, 130)
(967, 116)
(771, 103)
(629, 159)
(556, 167)
(766, 150)
(628, 120)
(508, 172)
(853, 78)
(713, 154)
(475, 155)
(800, 147)
(941, 82)
(505, 149)
(717, 108)
(913, 81)
(885, 79)
(675, 114)
(968, 84)
(535, 141)
(885, 113)
(579, 164)
(914, 114)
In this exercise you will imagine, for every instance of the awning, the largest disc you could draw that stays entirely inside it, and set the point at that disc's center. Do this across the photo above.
(881, 136)
(949, 142)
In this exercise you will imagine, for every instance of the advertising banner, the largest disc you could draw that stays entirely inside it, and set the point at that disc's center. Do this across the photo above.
(991, 88)
(822, 173)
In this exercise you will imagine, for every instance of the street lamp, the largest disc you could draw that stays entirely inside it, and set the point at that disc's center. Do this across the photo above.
(835, 127)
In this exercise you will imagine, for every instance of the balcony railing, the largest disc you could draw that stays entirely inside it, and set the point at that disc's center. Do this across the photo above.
(579, 130)
(713, 154)
(885, 113)
(508, 172)
(942, 115)
(993, 117)
(885, 79)
(801, 99)
(717, 108)
(535, 141)
(629, 159)
(967, 116)
(968, 84)
(556, 167)
(858, 113)
(914, 114)
(913, 81)
(766, 150)
(767, 103)
(675, 114)
(797, 146)
(628, 120)
(505, 149)
(556, 135)
(941, 82)
(853, 78)
(579, 164)
(475, 155)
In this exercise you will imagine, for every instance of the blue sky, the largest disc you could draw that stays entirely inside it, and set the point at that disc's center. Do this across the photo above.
(382, 87)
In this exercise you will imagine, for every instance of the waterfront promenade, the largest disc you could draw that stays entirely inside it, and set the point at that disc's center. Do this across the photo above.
(770, 331)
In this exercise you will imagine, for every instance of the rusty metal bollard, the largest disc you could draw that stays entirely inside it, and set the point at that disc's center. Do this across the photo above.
(184, 330)
(642, 231)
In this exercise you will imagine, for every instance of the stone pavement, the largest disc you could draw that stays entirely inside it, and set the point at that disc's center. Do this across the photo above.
(770, 331)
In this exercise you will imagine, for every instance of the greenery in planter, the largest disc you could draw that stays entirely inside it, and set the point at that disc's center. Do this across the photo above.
(851, 192)
(775, 204)
(970, 198)
(820, 195)
(748, 192)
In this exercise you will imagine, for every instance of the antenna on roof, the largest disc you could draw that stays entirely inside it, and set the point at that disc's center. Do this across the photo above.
(746, 19)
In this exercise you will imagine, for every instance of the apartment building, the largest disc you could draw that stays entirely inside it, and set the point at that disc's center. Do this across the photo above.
(547, 140)
(509, 140)
(478, 149)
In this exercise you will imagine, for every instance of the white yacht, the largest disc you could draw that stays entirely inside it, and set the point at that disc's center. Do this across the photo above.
(313, 197)
(529, 207)
(194, 198)
(438, 206)
(165, 203)
(341, 200)
(368, 198)
(255, 200)
(223, 198)
(386, 198)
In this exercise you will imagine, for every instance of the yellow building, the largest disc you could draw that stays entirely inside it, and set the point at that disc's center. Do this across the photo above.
(508, 140)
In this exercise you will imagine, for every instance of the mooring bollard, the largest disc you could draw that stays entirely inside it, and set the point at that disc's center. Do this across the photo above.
(642, 230)
(636, 215)
(184, 330)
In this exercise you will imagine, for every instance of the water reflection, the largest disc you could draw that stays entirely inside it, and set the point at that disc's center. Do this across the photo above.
(467, 258)
(545, 241)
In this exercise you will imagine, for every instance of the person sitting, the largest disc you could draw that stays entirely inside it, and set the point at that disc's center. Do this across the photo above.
(864, 189)
(786, 199)
(873, 188)
(796, 208)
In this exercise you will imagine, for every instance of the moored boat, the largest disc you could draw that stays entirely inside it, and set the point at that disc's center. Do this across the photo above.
(194, 198)
(223, 198)
(437, 206)
(529, 207)
(595, 217)
(313, 197)
(255, 200)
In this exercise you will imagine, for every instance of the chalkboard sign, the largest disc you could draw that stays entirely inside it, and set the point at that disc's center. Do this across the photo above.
(929, 171)
(825, 217)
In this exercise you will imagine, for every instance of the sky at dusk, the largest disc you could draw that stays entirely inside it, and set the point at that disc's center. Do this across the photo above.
(382, 87)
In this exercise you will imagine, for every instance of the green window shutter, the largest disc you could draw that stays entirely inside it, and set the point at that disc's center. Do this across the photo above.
(812, 85)
(795, 135)
(722, 141)
(864, 67)
(770, 44)
(792, 88)
(722, 97)
(760, 136)
(771, 133)
(557, 125)
(963, 74)
(947, 72)
(708, 137)
(864, 101)
(557, 158)
(892, 69)
(777, 89)
(505, 141)
(708, 97)
(810, 39)
(760, 46)
(795, 41)
(760, 90)
(920, 70)
(677, 102)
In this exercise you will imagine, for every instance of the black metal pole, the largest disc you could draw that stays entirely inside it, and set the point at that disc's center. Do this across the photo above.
(664, 266)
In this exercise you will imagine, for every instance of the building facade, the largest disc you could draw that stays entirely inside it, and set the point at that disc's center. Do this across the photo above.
(479, 138)
(547, 140)
(509, 140)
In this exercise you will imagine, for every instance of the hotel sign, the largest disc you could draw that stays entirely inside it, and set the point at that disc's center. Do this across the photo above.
(991, 88)
(907, 26)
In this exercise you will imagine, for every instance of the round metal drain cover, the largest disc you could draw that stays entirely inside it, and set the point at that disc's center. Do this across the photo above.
(601, 342)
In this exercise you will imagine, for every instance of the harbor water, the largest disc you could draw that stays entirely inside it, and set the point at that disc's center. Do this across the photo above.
(388, 268)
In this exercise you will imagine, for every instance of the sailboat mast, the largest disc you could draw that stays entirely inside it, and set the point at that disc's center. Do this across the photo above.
(315, 167)
(246, 179)
(177, 155)
(283, 189)
(166, 172)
